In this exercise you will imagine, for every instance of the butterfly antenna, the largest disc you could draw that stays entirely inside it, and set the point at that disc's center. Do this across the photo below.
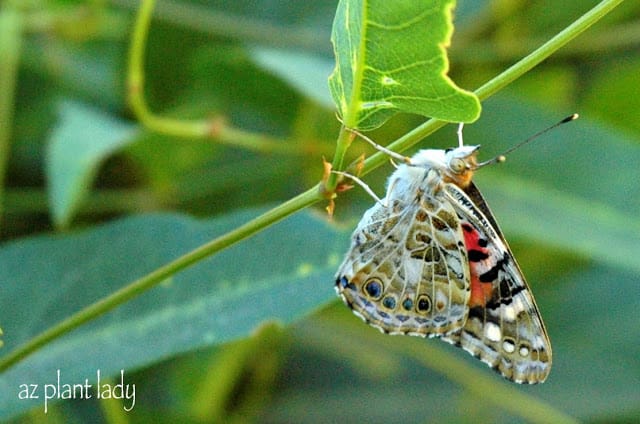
(502, 157)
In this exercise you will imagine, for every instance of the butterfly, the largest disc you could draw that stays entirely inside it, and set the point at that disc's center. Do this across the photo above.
(430, 260)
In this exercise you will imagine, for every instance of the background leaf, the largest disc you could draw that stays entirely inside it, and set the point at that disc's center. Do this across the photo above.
(300, 70)
(219, 300)
(82, 139)
(370, 84)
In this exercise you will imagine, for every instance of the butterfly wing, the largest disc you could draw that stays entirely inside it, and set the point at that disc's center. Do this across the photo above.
(504, 328)
(407, 270)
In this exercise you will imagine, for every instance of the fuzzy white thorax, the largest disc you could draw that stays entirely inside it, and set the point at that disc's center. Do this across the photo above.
(453, 165)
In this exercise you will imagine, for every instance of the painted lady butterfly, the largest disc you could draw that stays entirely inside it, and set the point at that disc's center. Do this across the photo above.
(431, 261)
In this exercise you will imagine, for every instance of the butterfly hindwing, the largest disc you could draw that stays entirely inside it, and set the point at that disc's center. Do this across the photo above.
(407, 271)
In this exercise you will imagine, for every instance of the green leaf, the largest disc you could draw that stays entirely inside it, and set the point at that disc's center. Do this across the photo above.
(303, 71)
(215, 301)
(390, 57)
(83, 138)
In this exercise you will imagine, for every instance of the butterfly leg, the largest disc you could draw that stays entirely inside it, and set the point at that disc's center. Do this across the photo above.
(363, 185)
(381, 148)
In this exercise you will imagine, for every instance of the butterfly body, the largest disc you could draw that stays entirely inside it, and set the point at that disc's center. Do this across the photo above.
(431, 261)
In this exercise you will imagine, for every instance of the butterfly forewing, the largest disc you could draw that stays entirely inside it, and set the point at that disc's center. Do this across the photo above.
(504, 328)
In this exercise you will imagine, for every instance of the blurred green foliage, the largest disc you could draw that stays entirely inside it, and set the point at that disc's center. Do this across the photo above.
(568, 204)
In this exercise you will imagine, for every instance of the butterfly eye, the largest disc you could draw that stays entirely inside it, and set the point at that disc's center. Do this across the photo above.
(457, 165)
(373, 288)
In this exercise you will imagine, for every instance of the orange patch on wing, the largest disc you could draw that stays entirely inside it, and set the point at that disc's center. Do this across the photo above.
(480, 292)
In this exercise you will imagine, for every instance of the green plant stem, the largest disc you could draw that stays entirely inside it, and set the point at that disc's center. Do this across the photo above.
(297, 203)
(258, 142)
(135, 83)
(622, 36)
(11, 22)
(547, 49)
(154, 278)
(215, 128)
(342, 144)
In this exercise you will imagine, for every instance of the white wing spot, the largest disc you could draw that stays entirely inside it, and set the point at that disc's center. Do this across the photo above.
(509, 313)
(492, 332)
(508, 346)
(441, 300)
(518, 304)
(524, 351)
(537, 342)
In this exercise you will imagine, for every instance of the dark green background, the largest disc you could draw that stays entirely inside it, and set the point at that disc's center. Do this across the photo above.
(568, 204)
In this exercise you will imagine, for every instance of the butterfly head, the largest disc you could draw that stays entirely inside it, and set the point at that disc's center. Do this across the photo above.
(460, 164)
(456, 165)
